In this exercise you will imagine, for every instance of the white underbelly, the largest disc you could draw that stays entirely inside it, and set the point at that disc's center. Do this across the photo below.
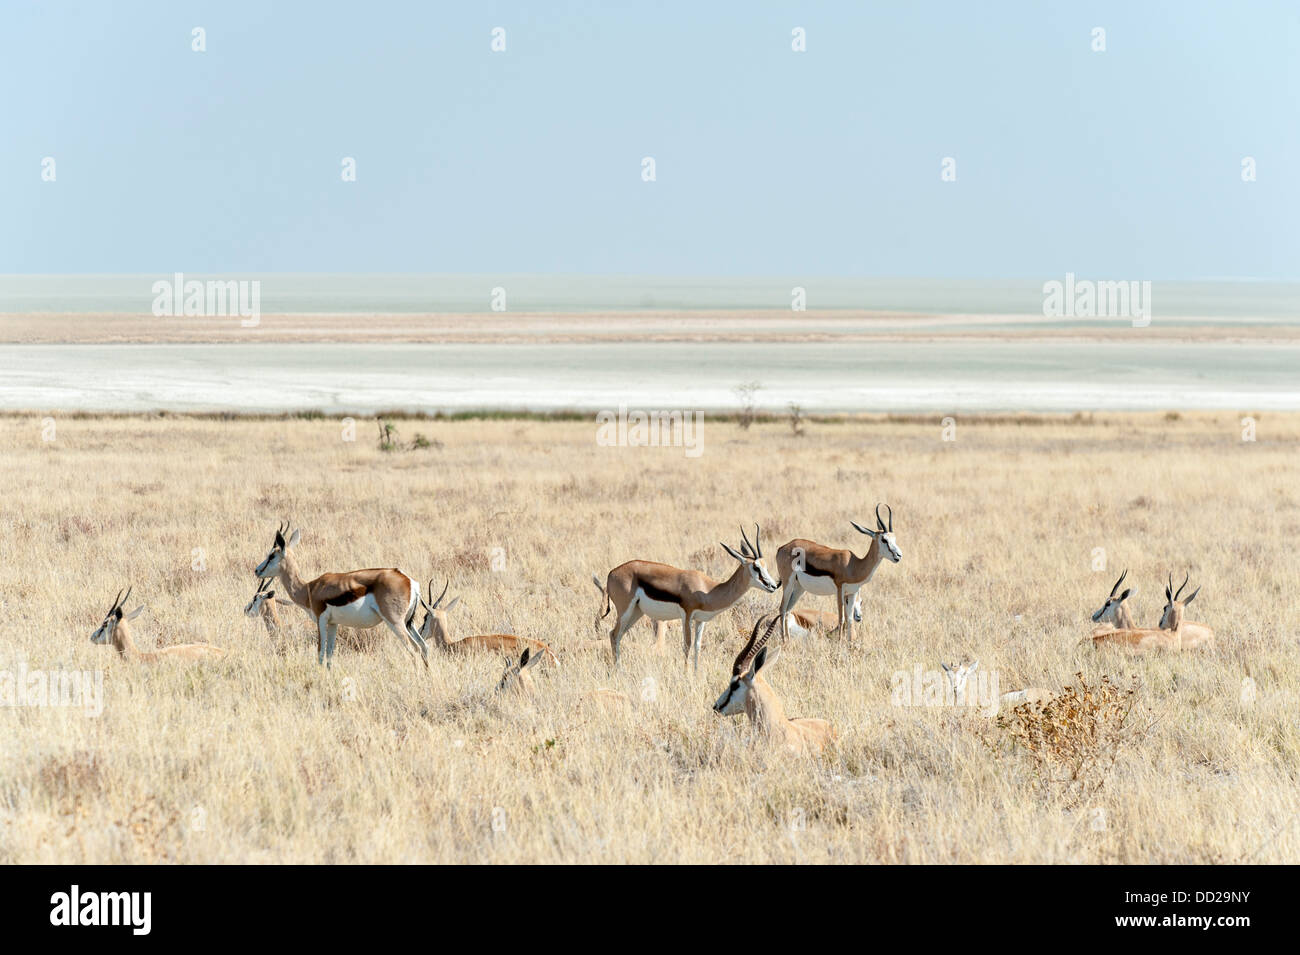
(816, 584)
(658, 609)
(361, 613)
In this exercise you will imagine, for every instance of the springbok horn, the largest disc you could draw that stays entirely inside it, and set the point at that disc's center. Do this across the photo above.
(434, 606)
(758, 540)
(890, 511)
(1169, 588)
(128, 595)
(1118, 582)
(116, 601)
(879, 523)
(1186, 578)
(745, 547)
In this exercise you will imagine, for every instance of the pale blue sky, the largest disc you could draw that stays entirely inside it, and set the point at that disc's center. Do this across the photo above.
(1123, 164)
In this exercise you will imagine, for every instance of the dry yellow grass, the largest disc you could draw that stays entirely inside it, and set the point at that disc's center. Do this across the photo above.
(262, 758)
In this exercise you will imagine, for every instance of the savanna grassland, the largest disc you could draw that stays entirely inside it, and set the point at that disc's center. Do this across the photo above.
(268, 758)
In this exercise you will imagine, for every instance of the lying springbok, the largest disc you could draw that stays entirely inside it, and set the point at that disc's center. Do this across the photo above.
(750, 691)
(116, 630)
(263, 605)
(436, 629)
(516, 679)
(806, 566)
(1114, 613)
(356, 598)
(1193, 635)
(803, 623)
(958, 674)
(1175, 637)
(662, 592)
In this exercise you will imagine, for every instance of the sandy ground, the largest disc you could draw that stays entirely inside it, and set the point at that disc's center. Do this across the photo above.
(775, 326)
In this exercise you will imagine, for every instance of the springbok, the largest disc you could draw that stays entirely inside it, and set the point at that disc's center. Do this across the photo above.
(661, 592)
(436, 629)
(749, 691)
(1193, 635)
(808, 566)
(1176, 636)
(958, 674)
(357, 598)
(516, 679)
(1114, 613)
(263, 605)
(116, 630)
(803, 623)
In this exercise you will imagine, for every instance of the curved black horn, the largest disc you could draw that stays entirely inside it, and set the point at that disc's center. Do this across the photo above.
(758, 540)
(434, 605)
(129, 588)
(746, 547)
(116, 601)
(1169, 588)
(880, 523)
(1186, 578)
(890, 511)
(1118, 582)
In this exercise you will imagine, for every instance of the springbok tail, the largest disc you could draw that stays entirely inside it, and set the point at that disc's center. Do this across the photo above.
(604, 612)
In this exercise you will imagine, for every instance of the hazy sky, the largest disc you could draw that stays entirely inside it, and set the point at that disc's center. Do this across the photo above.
(1121, 164)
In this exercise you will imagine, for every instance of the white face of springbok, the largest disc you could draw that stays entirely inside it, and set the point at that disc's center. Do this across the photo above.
(751, 555)
(435, 623)
(516, 677)
(1110, 610)
(884, 533)
(270, 565)
(264, 593)
(104, 633)
(957, 677)
(1173, 615)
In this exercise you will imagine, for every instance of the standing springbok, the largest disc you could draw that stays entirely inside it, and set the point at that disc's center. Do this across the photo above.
(662, 592)
(806, 566)
(116, 630)
(749, 691)
(357, 598)
(1192, 635)
(1114, 613)
(436, 629)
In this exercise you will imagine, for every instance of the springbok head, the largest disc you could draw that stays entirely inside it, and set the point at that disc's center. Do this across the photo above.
(753, 657)
(751, 556)
(115, 616)
(264, 593)
(270, 565)
(884, 533)
(1113, 611)
(958, 674)
(1172, 618)
(516, 678)
(435, 623)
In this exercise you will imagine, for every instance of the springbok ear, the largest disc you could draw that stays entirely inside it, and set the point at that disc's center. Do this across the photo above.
(293, 539)
(1124, 596)
(523, 658)
(535, 659)
(769, 658)
(862, 530)
(455, 600)
(1192, 597)
(975, 665)
(135, 613)
(946, 668)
